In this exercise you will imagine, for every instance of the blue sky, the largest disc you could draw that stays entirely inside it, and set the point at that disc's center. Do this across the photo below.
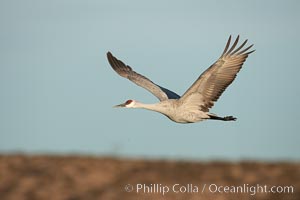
(57, 88)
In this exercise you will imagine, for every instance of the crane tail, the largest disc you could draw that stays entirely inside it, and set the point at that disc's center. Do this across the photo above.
(226, 118)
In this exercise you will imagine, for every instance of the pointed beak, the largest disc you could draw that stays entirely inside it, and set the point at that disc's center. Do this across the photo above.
(120, 105)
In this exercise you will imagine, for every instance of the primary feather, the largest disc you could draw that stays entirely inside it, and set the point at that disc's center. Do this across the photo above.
(126, 71)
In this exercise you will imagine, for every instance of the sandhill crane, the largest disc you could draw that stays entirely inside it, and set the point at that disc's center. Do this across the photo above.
(194, 104)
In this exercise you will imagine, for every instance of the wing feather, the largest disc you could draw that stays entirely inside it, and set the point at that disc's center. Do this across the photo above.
(126, 71)
(212, 83)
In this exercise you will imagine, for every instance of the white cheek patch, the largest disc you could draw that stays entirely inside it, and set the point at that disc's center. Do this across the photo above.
(130, 105)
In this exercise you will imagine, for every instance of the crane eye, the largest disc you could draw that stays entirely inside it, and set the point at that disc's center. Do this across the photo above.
(128, 102)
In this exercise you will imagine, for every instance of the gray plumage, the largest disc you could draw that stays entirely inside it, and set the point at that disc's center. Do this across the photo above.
(195, 103)
(127, 72)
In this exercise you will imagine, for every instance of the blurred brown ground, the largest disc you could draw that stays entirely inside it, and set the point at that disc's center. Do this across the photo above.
(24, 177)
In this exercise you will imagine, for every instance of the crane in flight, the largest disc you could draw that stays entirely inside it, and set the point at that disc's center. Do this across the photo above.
(194, 104)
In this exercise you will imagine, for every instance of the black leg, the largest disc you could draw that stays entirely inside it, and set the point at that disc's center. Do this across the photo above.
(227, 118)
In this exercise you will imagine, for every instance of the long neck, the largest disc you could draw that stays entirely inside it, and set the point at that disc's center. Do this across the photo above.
(158, 107)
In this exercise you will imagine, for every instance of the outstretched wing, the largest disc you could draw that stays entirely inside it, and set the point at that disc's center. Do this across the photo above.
(127, 72)
(213, 82)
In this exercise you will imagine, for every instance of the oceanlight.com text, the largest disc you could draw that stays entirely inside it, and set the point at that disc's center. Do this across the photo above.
(211, 188)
